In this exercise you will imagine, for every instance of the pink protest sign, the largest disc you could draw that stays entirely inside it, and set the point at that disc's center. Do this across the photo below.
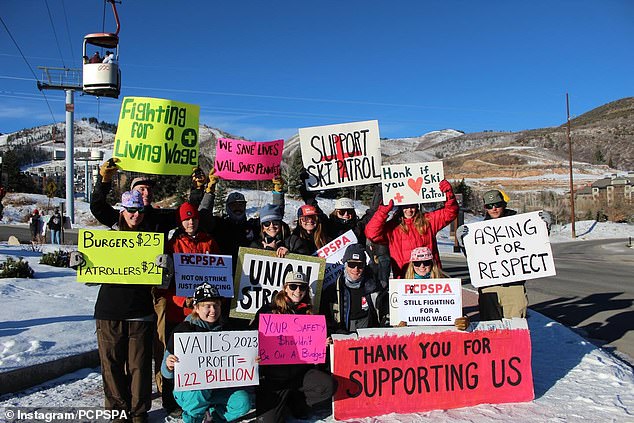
(241, 160)
(292, 339)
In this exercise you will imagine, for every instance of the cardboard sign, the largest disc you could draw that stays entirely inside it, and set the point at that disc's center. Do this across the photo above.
(412, 183)
(417, 372)
(333, 253)
(508, 249)
(420, 302)
(260, 275)
(209, 360)
(157, 136)
(292, 339)
(191, 270)
(124, 257)
(241, 160)
(342, 155)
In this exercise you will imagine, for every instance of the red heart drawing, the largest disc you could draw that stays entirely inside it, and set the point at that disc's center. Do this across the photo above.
(415, 184)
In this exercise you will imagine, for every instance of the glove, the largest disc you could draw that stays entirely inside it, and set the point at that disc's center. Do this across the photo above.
(461, 232)
(199, 180)
(213, 180)
(462, 323)
(165, 262)
(445, 187)
(278, 184)
(76, 259)
(547, 218)
(386, 208)
(108, 169)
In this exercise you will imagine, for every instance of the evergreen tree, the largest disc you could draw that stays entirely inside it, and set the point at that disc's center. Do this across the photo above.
(598, 156)
(466, 191)
(221, 197)
(293, 172)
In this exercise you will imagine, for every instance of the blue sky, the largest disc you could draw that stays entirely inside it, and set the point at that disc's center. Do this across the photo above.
(264, 69)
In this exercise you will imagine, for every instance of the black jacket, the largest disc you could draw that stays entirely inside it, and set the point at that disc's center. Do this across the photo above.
(335, 302)
(120, 301)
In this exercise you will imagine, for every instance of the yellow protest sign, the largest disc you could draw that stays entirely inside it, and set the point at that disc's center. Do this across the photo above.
(120, 257)
(157, 136)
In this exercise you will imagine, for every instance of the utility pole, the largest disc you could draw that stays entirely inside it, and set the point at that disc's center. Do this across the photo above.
(67, 80)
(572, 190)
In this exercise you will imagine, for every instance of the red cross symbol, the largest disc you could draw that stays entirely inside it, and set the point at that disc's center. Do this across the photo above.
(340, 155)
(398, 197)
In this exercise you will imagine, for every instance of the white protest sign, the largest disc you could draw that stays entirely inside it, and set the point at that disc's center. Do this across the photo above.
(508, 249)
(333, 253)
(412, 183)
(191, 270)
(341, 155)
(260, 275)
(209, 360)
(421, 302)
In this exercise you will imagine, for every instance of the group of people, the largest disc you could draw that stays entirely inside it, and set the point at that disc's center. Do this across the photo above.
(54, 224)
(136, 323)
(96, 58)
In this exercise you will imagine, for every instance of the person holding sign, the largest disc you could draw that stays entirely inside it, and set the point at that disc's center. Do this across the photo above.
(353, 301)
(159, 220)
(186, 239)
(225, 404)
(422, 266)
(273, 230)
(233, 230)
(125, 324)
(498, 301)
(297, 386)
(309, 235)
(411, 228)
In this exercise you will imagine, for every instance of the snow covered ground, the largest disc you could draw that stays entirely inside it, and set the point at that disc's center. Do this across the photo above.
(50, 316)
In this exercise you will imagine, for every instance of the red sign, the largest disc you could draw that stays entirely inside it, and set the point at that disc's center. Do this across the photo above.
(421, 372)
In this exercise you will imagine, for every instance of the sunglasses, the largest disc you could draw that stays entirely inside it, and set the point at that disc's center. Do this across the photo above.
(343, 212)
(355, 265)
(497, 205)
(294, 286)
(423, 263)
(134, 209)
(271, 222)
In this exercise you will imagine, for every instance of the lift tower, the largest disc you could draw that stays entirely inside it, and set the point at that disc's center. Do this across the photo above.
(68, 80)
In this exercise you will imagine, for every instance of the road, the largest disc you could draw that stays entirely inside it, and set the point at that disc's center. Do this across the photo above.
(593, 291)
(23, 234)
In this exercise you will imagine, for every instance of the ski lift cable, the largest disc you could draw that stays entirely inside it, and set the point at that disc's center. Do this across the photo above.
(50, 18)
(28, 65)
(70, 43)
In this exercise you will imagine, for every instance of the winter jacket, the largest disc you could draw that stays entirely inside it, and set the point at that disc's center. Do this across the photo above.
(335, 302)
(120, 301)
(201, 243)
(55, 222)
(401, 243)
(156, 220)
(229, 234)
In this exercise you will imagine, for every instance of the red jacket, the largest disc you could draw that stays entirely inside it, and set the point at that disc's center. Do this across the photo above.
(401, 244)
(202, 243)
